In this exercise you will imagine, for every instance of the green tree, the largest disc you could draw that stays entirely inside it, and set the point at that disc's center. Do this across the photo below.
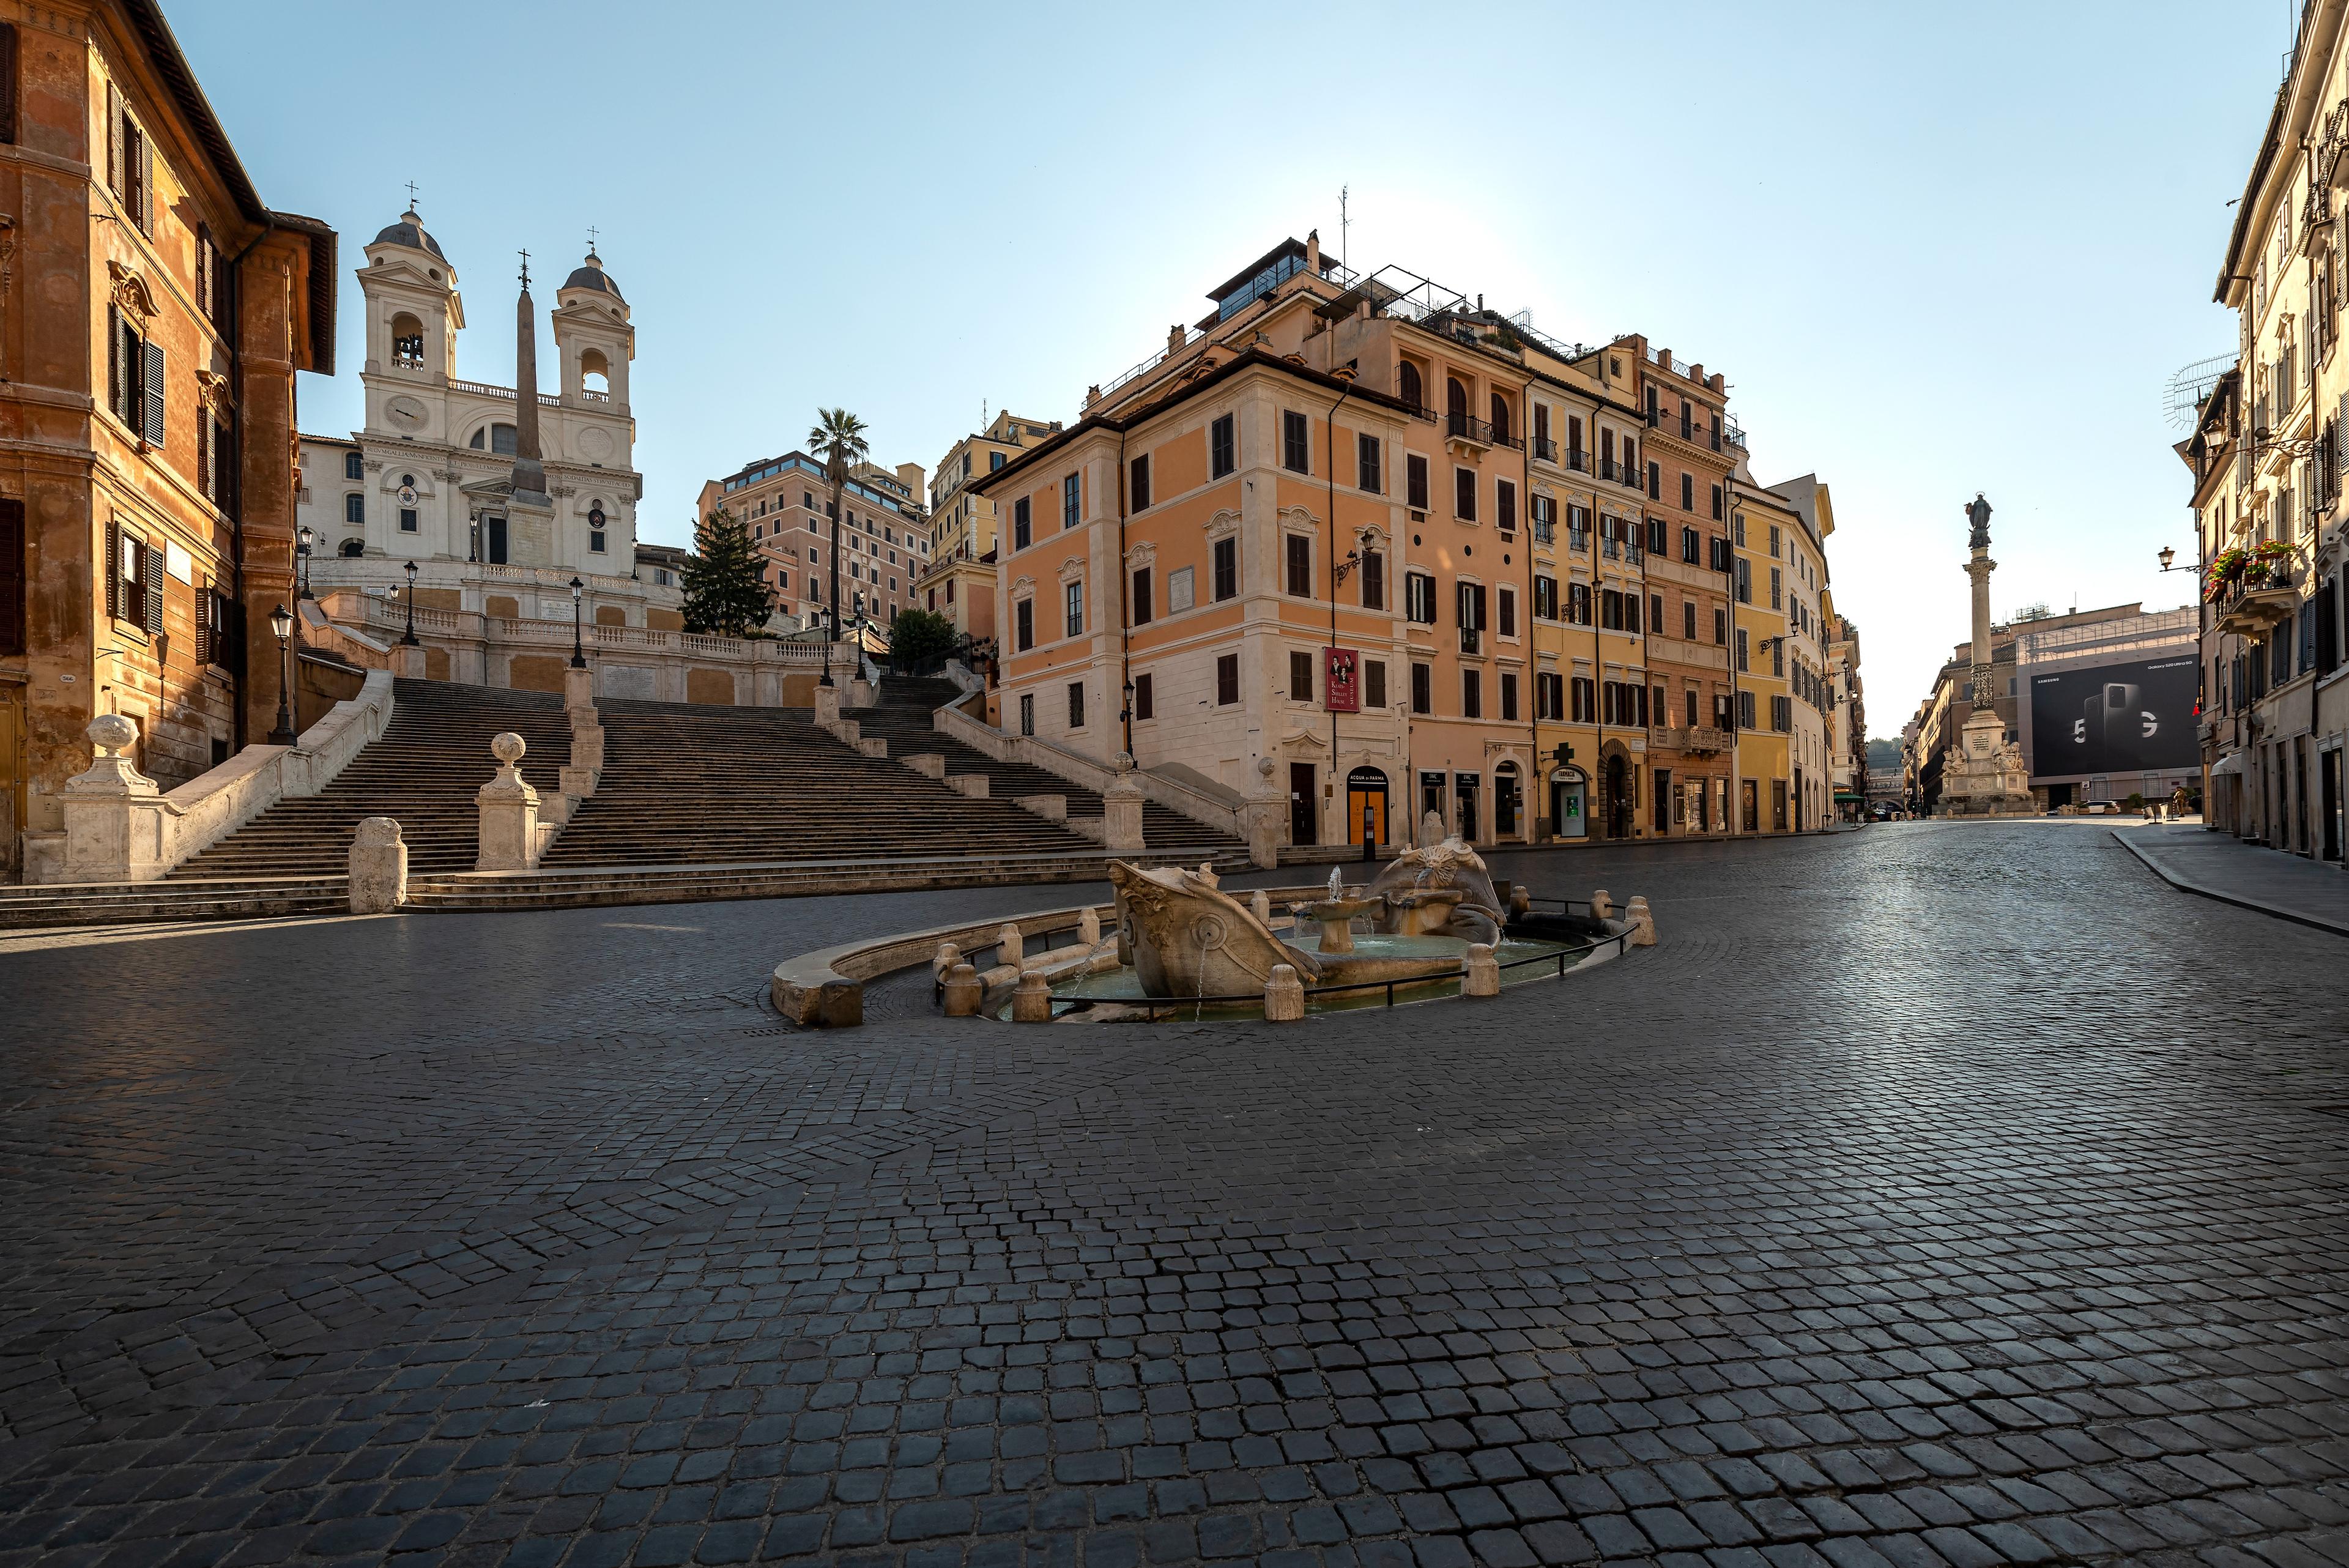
(838, 437)
(724, 594)
(917, 635)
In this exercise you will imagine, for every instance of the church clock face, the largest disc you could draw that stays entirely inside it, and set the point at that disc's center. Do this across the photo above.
(406, 411)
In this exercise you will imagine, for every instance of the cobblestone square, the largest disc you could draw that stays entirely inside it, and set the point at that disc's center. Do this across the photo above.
(1901, 1216)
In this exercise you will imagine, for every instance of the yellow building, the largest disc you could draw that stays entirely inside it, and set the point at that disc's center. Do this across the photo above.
(959, 582)
(1761, 522)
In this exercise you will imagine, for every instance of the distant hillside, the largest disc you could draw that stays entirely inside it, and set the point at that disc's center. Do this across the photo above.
(1884, 755)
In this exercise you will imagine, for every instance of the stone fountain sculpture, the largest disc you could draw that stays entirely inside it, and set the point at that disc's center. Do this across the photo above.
(1441, 890)
(1189, 938)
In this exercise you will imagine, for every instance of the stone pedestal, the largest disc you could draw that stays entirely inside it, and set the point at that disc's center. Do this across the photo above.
(579, 695)
(1643, 922)
(1031, 999)
(1987, 776)
(408, 661)
(963, 992)
(114, 814)
(509, 808)
(1480, 972)
(1011, 947)
(827, 704)
(1121, 813)
(1602, 908)
(1284, 995)
(378, 867)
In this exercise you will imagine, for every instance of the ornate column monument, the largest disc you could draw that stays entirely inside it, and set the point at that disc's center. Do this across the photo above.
(1987, 777)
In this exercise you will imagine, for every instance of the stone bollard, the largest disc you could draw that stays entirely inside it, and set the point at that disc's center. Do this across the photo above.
(963, 992)
(1260, 906)
(1088, 929)
(1121, 813)
(1521, 901)
(1481, 974)
(1603, 907)
(1284, 995)
(579, 697)
(1031, 999)
(948, 955)
(1011, 947)
(1643, 922)
(378, 867)
(114, 815)
(509, 808)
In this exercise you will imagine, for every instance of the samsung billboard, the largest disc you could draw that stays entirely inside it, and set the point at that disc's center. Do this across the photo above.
(2114, 719)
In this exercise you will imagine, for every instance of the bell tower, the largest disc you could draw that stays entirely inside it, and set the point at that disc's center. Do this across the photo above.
(593, 337)
(413, 314)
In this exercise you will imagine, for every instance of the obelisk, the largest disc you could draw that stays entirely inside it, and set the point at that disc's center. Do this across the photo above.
(529, 471)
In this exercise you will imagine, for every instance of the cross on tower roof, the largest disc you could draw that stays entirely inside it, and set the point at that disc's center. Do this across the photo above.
(591, 239)
(525, 268)
(411, 195)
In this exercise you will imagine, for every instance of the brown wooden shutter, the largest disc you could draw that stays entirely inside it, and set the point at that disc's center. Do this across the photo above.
(7, 81)
(113, 139)
(11, 577)
(151, 386)
(204, 612)
(151, 575)
(204, 270)
(204, 455)
(113, 567)
(114, 366)
(145, 180)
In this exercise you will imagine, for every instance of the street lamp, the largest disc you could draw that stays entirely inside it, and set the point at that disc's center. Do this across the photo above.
(409, 640)
(578, 658)
(2168, 555)
(281, 622)
(303, 540)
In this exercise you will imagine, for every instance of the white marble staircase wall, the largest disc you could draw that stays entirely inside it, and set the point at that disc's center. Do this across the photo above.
(1083, 772)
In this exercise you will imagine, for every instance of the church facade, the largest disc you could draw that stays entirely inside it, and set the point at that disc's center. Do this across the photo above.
(499, 502)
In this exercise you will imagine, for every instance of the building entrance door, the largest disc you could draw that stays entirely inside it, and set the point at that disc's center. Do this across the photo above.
(496, 528)
(2329, 766)
(1464, 788)
(1304, 825)
(1568, 805)
(1506, 800)
(1751, 819)
(1615, 796)
(1366, 806)
(1431, 799)
(1662, 816)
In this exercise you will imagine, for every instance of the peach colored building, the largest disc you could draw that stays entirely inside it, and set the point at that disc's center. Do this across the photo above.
(785, 503)
(147, 493)
(959, 580)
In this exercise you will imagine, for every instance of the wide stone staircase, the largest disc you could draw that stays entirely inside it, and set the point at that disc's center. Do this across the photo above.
(903, 718)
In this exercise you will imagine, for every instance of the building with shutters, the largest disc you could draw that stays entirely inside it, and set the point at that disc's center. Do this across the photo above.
(2268, 454)
(959, 580)
(1762, 787)
(147, 496)
(786, 504)
(1847, 768)
(1802, 567)
(431, 477)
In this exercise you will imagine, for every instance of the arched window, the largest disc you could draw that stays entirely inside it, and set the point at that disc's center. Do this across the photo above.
(1455, 396)
(352, 548)
(406, 342)
(500, 438)
(595, 375)
(1500, 417)
(1407, 384)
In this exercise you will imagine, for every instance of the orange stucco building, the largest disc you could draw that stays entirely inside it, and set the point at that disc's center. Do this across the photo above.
(147, 410)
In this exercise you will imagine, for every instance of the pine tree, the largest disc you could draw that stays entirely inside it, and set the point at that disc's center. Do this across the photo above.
(724, 595)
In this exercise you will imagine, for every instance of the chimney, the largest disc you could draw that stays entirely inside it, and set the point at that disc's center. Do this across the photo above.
(1174, 339)
(1313, 252)
(1696, 373)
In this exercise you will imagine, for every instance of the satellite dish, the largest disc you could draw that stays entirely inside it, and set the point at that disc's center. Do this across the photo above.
(2183, 393)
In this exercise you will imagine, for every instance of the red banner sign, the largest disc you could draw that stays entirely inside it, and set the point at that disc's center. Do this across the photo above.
(1342, 680)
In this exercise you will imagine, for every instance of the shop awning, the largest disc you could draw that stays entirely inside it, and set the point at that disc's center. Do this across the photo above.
(2230, 764)
(1848, 795)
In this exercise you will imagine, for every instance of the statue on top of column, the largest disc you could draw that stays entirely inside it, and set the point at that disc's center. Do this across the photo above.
(1978, 513)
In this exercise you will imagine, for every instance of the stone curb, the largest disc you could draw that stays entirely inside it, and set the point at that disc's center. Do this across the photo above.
(2155, 866)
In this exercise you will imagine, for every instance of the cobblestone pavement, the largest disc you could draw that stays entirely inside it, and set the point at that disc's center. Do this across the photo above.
(2220, 866)
(1937, 1193)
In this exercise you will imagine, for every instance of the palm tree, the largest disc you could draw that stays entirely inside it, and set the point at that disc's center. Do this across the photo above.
(839, 439)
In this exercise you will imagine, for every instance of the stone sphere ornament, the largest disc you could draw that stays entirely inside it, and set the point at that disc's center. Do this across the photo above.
(112, 733)
(508, 748)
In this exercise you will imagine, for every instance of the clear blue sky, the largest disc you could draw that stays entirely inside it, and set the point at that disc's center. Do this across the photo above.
(1935, 250)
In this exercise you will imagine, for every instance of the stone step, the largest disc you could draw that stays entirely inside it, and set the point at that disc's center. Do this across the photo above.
(211, 898)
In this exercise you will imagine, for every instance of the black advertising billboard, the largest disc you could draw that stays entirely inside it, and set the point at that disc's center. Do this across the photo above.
(2114, 719)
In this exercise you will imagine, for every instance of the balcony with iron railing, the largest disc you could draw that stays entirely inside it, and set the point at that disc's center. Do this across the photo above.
(1480, 432)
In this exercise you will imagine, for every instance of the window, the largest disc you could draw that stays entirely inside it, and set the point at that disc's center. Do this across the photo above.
(1577, 603)
(1740, 648)
(1227, 570)
(1071, 490)
(1656, 614)
(1024, 636)
(1500, 418)
(1688, 619)
(1508, 607)
(129, 157)
(1690, 552)
(595, 529)
(1374, 580)
(1142, 607)
(407, 525)
(1366, 464)
(1470, 610)
(1300, 677)
(1655, 482)
(1414, 468)
(1632, 612)
(1297, 552)
(1422, 699)
(1610, 609)
(1227, 679)
(1076, 704)
(1140, 488)
(1508, 696)
(1223, 455)
(1720, 628)
(1549, 696)
(135, 380)
(355, 508)
(1407, 385)
(1719, 553)
(1505, 505)
(1687, 491)
(1657, 544)
(1464, 494)
(1374, 683)
(1296, 442)
(1691, 707)
(1717, 504)
(1020, 530)
(1737, 529)
(1781, 715)
(1745, 575)
(1577, 527)
(1072, 597)
(1145, 703)
(1545, 599)
(1774, 591)
(1471, 693)
(1419, 597)
(1027, 712)
(1586, 701)
(1745, 710)
(354, 466)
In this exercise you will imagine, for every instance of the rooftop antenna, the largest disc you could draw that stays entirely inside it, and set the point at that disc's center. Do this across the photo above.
(1343, 221)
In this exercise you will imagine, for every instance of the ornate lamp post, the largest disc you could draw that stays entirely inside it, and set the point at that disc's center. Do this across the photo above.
(304, 539)
(409, 640)
(578, 657)
(281, 622)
